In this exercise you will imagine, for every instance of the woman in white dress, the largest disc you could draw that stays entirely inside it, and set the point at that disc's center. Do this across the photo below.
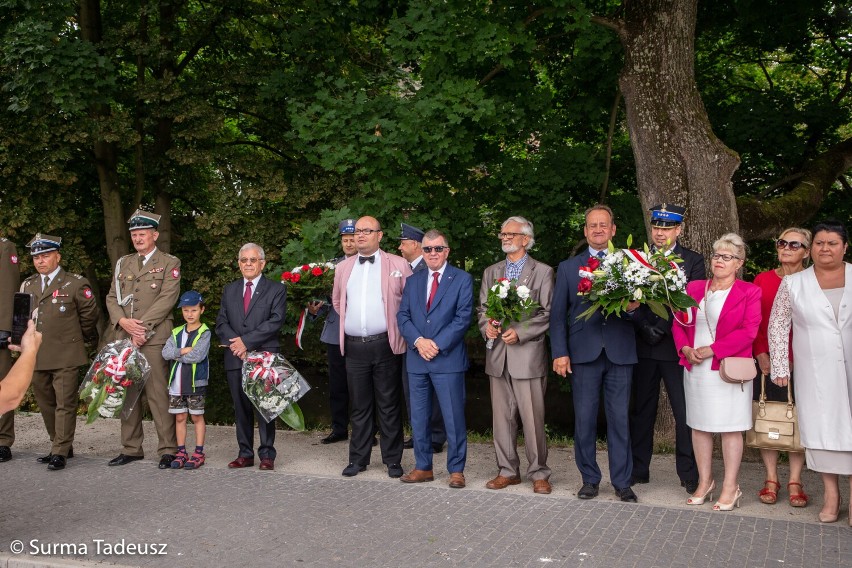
(817, 302)
(723, 325)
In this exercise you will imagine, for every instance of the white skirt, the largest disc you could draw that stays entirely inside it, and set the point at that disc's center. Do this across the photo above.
(829, 461)
(712, 405)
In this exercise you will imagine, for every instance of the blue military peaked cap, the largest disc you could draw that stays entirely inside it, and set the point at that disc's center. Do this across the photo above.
(667, 215)
(44, 243)
(411, 233)
(346, 227)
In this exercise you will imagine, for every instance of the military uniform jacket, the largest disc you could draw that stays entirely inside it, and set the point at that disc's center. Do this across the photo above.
(10, 277)
(67, 318)
(155, 288)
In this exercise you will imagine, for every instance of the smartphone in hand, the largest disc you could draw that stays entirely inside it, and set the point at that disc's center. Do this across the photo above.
(22, 311)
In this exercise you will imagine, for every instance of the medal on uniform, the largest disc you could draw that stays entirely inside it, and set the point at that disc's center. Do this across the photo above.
(62, 308)
(55, 293)
(154, 285)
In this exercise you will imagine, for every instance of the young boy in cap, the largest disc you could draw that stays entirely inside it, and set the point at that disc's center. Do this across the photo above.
(187, 349)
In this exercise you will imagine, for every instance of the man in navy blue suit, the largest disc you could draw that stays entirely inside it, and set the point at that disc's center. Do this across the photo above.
(435, 313)
(600, 354)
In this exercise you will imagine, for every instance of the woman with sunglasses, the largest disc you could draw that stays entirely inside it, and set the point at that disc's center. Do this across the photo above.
(793, 247)
(817, 302)
(723, 325)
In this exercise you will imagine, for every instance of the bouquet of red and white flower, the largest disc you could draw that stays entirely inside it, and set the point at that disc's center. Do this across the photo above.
(273, 386)
(114, 381)
(624, 275)
(307, 283)
(506, 303)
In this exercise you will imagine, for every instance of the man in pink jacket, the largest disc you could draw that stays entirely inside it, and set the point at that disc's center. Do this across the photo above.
(367, 292)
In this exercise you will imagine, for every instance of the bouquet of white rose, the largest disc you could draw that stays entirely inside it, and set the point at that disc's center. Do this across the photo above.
(273, 386)
(626, 275)
(506, 303)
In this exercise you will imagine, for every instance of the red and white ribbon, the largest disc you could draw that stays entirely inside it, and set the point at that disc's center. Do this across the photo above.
(300, 328)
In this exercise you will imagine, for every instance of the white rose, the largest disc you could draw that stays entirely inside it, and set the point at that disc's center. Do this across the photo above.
(637, 295)
(502, 292)
(523, 292)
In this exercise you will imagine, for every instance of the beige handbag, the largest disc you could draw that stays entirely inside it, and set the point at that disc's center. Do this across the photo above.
(737, 370)
(776, 426)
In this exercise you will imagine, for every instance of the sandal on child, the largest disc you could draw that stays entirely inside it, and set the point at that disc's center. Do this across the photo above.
(797, 499)
(196, 461)
(768, 495)
(180, 460)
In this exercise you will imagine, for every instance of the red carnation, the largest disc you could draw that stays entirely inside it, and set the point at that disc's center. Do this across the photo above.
(305, 268)
(594, 263)
(295, 277)
(286, 275)
(110, 389)
(126, 383)
(585, 286)
(316, 271)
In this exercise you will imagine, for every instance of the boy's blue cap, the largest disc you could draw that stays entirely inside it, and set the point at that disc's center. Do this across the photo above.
(346, 227)
(191, 298)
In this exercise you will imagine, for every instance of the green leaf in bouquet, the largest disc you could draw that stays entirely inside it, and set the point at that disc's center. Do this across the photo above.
(629, 240)
(293, 417)
(682, 300)
(589, 313)
(659, 309)
(610, 247)
(645, 246)
(96, 403)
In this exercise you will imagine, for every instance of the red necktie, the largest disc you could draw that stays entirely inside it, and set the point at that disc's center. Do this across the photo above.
(433, 290)
(247, 297)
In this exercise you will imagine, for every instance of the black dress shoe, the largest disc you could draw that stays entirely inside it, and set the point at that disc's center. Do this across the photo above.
(334, 437)
(5, 453)
(166, 461)
(395, 470)
(640, 480)
(408, 444)
(437, 448)
(691, 485)
(56, 462)
(626, 494)
(46, 459)
(124, 459)
(352, 469)
(588, 491)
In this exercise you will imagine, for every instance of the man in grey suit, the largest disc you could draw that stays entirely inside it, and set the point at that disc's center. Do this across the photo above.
(250, 319)
(338, 392)
(410, 238)
(517, 364)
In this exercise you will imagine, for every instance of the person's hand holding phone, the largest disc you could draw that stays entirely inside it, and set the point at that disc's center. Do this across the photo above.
(30, 340)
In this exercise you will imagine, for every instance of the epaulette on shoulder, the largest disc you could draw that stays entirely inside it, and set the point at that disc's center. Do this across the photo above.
(77, 276)
(3, 239)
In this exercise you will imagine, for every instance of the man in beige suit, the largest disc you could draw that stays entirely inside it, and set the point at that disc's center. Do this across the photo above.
(67, 317)
(144, 291)
(517, 364)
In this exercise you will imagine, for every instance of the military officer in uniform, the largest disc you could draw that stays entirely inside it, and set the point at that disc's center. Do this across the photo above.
(67, 317)
(144, 290)
(10, 277)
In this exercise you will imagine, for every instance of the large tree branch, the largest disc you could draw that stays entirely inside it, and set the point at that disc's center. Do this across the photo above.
(764, 218)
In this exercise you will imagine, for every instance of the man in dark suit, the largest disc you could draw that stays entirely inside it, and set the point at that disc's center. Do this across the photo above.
(338, 391)
(658, 358)
(434, 316)
(250, 319)
(409, 247)
(68, 316)
(600, 354)
(10, 277)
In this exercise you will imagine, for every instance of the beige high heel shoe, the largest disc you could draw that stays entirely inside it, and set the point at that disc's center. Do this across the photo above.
(823, 518)
(729, 506)
(693, 500)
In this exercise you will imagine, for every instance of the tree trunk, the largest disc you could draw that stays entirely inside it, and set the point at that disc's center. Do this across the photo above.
(678, 158)
(105, 153)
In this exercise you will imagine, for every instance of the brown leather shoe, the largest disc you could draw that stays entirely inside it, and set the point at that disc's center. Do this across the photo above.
(457, 480)
(267, 464)
(501, 482)
(241, 462)
(542, 486)
(417, 476)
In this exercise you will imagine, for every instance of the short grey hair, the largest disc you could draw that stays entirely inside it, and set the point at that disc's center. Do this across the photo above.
(732, 242)
(252, 246)
(433, 234)
(526, 228)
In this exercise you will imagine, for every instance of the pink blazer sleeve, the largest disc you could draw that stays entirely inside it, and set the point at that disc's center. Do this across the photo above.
(684, 334)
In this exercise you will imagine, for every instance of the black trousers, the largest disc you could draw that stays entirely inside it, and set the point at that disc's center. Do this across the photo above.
(436, 422)
(338, 390)
(374, 375)
(244, 416)
(643, 415)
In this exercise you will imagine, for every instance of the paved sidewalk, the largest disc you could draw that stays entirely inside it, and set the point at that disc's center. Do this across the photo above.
(306, 514)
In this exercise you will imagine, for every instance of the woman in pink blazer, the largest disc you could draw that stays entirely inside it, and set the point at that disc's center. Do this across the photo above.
(723, 325)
